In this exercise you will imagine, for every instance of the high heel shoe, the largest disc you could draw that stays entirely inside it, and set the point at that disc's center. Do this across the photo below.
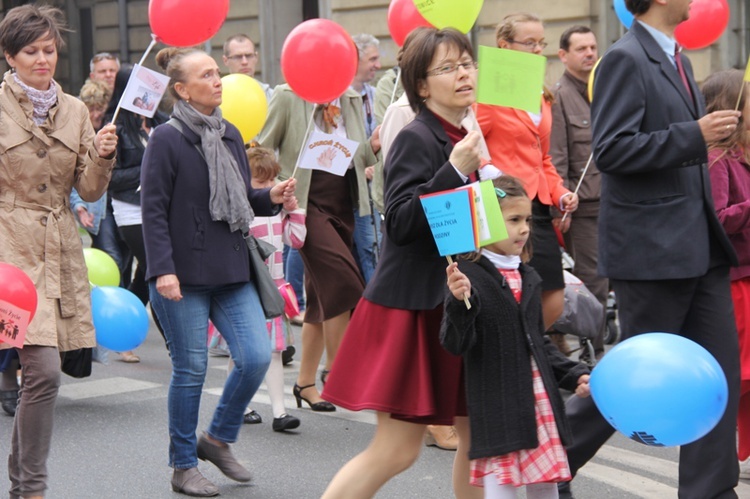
(322, 406)
(324, 376)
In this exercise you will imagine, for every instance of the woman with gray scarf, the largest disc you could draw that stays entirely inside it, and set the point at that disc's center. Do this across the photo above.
(197, 203)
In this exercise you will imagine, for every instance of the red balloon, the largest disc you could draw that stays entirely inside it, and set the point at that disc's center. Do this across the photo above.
(17, 288)
(403, 17)
(708, 20)
(183, 23)
(319, 60)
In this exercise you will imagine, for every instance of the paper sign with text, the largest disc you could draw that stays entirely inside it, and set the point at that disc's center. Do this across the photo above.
(510, 78)
(328, 153)
(144, 91)
(490, 222)
(13, 324)
(452, 220)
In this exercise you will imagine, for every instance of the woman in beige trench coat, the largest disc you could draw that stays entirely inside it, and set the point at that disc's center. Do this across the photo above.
(47, 147)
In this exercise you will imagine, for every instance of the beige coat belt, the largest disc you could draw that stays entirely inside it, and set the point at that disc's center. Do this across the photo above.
(58, 282)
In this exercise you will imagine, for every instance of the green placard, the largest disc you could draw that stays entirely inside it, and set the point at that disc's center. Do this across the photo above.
(510, 78)
(493, 225)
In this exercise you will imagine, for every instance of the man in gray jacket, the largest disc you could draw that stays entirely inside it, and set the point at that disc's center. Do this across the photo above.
(570, 148)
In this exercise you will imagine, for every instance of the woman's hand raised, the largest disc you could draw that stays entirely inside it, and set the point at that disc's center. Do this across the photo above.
(466, 154)
(105, 141)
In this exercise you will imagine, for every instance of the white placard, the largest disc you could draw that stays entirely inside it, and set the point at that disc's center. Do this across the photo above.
(328, 153)
(144, 90)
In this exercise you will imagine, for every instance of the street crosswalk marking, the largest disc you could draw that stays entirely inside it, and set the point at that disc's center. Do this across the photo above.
(626, 481)
(103, 387)
(650, 464)
(597, 470)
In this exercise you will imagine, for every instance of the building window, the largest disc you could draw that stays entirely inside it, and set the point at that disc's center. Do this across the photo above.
(310, 9)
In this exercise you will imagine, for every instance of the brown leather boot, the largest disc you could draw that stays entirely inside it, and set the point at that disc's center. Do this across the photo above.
(442, 437)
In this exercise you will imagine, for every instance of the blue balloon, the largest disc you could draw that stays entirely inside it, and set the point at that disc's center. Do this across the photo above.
(120, 319)
(660, 389)
(623, 14)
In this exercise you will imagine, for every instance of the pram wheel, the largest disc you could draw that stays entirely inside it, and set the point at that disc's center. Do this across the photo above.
(612, 331)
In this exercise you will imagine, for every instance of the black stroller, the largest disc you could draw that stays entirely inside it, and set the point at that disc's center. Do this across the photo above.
(582, 315)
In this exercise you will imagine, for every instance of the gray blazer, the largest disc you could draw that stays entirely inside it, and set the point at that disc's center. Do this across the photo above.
(657, 218)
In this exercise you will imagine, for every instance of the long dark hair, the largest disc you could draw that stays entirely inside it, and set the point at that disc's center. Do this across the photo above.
(721, 91)
(127, 121)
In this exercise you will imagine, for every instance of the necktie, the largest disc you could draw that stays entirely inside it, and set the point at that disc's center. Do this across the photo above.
(681, 70)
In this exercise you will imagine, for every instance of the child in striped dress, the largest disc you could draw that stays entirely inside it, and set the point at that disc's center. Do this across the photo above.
(516, 414)
(283, 228)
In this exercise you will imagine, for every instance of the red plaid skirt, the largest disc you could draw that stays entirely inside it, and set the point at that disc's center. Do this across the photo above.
(546, 463)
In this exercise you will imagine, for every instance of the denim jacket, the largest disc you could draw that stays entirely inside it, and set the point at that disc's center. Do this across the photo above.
(98, 208)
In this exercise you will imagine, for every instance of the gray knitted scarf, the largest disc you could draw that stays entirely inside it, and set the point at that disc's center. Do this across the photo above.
(228, 199)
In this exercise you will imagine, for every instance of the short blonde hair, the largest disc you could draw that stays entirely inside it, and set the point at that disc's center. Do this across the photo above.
(95, 92)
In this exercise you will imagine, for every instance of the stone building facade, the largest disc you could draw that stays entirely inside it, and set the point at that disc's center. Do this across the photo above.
(121, 26)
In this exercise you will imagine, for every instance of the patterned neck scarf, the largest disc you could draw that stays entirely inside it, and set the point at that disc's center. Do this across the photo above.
(42, 100)
(329, 117)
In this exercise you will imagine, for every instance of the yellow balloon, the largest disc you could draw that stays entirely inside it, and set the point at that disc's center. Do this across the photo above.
(591, 80)
(243, 104)
(459, 14)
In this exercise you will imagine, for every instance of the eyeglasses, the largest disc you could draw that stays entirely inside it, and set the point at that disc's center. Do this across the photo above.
(531, 45)
(239, 57)
(447, 69)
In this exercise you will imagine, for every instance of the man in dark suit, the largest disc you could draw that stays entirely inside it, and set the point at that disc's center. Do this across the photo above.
(660, 242)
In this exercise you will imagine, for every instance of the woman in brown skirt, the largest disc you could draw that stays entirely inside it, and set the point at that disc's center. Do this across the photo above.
(333, 283)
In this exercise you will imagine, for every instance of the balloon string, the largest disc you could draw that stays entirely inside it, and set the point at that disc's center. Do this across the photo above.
(304, 140)
(395, 83)
(140, 63)
(580, 181)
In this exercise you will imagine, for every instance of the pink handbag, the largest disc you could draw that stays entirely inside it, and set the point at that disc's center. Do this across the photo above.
(291, 307)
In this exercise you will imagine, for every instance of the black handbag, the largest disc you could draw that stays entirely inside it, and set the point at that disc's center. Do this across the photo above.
(77, 363)
(268, 292)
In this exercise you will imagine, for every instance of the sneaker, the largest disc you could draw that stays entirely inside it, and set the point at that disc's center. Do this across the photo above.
(745, 469)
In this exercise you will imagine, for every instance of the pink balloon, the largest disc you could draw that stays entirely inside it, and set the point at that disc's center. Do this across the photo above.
(183, 23)
(708, 20)
(403, 17)
(319, 60)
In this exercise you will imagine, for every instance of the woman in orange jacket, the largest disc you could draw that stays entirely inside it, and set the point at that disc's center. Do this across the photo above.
(518, 142)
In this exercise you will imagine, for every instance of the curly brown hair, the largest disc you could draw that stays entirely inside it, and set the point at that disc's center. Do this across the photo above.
(263, 164)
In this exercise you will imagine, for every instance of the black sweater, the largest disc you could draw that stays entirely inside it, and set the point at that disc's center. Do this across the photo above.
(496, 338)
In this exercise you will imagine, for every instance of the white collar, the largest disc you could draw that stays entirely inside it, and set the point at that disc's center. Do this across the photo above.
(508, 262)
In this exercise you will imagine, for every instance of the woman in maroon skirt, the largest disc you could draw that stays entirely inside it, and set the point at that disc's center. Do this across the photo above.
(391, 359)
(333, 283)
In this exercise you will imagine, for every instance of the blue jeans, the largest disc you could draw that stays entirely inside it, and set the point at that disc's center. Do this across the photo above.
(236, 311)
(294, 273)
(364, 241)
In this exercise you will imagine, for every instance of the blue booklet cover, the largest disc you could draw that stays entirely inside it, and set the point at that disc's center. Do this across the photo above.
(452, 220)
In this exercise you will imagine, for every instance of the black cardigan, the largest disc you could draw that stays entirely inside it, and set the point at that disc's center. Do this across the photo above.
(496, 337)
